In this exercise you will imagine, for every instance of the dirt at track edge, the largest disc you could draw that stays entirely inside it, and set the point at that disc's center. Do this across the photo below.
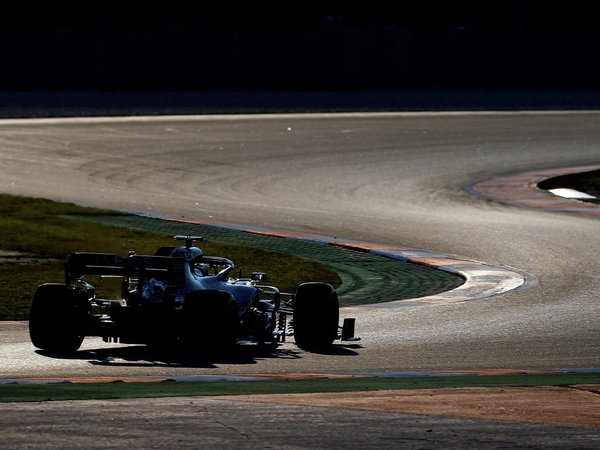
(577, 405)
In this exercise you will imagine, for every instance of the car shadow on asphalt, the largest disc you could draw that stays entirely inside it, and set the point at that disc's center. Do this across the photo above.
(144, 356)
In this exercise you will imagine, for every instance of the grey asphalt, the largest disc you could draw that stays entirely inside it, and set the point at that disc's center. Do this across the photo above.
(229, 423)
(386, 178)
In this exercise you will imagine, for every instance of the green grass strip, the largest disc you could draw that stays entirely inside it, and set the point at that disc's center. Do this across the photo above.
(365, 277)
(42, 234)
(119, 390)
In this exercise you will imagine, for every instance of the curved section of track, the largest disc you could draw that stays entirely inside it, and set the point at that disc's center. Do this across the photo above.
(366, 277)
(481, 280)
(372, 274)
(388, 179)
(521, 189)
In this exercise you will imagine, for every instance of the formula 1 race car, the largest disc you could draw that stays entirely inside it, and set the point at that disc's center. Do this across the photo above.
(178, 297)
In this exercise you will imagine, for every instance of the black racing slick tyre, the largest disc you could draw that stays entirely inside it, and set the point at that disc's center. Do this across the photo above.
(56, 318)
(316, 315)
(210, 321)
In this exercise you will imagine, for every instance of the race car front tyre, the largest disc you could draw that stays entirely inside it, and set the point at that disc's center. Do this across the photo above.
(316, 315)
(56, 318)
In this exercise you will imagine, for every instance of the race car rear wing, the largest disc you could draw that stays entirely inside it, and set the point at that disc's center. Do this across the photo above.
(80, 264)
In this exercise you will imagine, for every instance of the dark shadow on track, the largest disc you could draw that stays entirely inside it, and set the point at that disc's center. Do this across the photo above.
(143, 356)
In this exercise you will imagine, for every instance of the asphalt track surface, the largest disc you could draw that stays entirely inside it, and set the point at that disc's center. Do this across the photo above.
(389, 179)
(396, 178)
(230, 423)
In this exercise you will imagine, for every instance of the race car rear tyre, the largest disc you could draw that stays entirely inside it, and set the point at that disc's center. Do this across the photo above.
(316, 315)
(210, 321)
(56, 318)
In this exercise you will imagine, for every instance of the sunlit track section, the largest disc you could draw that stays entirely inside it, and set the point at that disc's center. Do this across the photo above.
(521, 190)
(482, 280)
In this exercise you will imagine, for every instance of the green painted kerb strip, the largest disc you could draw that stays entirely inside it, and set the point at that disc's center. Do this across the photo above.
(366, 278)
(46, 392)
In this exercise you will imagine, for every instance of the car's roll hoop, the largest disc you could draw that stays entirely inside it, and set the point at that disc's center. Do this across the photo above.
(189, 240)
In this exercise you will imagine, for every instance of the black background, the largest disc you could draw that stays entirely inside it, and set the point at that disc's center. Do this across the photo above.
(295, 45)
